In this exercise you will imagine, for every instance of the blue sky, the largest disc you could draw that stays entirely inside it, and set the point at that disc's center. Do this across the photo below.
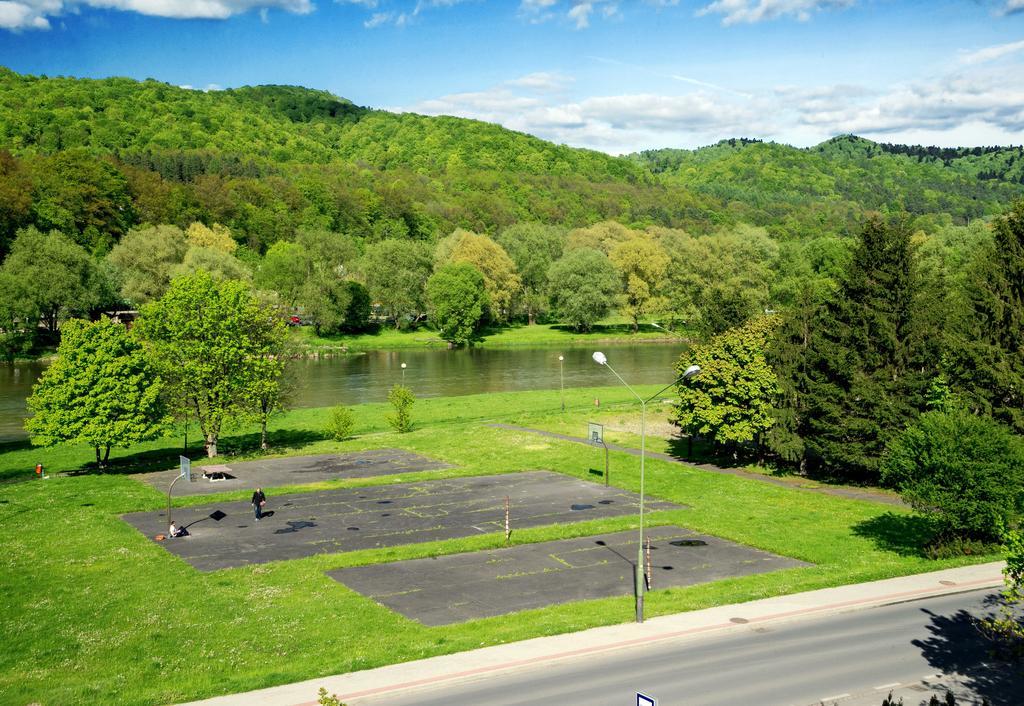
(614, 75)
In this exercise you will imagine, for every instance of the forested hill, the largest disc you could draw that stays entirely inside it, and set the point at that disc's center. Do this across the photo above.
(278, 124)
(93, 158)
(770, 183)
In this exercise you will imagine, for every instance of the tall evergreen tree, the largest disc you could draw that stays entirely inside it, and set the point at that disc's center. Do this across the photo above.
(867, 356)
(987, 360)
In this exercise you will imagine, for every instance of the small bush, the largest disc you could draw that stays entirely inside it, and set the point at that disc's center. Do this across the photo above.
(962, 470)
(325, 700)
(340, 424)
(402, 400)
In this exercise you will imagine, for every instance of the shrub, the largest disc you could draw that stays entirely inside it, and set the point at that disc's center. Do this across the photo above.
(964, 471)
(401, 399)
(340, 423)
(328, 700)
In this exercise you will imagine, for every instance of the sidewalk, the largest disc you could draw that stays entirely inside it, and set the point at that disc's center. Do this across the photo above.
(683, 626)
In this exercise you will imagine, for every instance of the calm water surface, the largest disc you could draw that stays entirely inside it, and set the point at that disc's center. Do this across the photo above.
(430, 373)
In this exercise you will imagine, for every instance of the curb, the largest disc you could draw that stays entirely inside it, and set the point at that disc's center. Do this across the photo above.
(436, 671)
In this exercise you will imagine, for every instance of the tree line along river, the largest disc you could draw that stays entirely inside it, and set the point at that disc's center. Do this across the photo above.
(367, 377)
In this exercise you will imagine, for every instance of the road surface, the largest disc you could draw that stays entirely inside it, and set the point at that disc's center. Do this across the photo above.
(851, 659)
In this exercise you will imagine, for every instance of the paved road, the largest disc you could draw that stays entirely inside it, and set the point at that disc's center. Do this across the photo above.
(850, 658)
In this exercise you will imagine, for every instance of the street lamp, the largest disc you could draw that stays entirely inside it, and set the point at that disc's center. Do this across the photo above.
(561, 381)
(403, 374)
(601, 359)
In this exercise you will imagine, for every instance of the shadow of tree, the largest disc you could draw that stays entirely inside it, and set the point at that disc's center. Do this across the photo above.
(957, 646)
(906, 535)
(166, 457)
(703, 451)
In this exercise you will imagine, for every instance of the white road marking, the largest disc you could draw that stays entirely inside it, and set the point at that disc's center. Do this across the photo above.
(836, 697)
(886, 686)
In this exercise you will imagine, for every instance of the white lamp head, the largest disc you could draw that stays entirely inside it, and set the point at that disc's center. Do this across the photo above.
(561, 358)
(600, 358)
(403, 366)
(691, 371)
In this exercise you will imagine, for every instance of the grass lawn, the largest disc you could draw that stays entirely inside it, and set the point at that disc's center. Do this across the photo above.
(93, 612)
(539, 335)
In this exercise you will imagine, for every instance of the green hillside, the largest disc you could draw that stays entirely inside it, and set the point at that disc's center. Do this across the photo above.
(268, 161)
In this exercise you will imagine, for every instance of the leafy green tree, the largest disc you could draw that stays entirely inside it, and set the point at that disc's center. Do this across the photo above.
(340, 423)
(603, 236)
(458, 301)
(582, 284)
(145, 259)
(219, 264)
(869, 359)
(730, 402)
(987, 358)
(325, 295)
(357, 313)
(214, 345)
(964, 471)
(401, 400)
(533, 247)
(217, 237)
(15, 199)
(490, 259)
(642, 264)
(19, 318)
(85, 198)
(396, 273)
(52, 276)
(101, 390)
(283, 270)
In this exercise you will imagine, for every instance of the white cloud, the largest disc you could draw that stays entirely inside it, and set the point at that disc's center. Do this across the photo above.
(377, 19)
(992, 53)
(580, 14)
(751, 11)
(543, 81)
(1013, 6)
(34, 14)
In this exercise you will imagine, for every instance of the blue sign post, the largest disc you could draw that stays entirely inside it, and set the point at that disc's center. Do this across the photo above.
(642, 700)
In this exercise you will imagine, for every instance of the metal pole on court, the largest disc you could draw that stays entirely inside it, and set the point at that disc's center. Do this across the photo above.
(561, 381)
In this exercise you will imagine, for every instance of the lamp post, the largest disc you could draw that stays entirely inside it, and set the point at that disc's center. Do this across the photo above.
(403, 374)
(601, 359)
(561, 381)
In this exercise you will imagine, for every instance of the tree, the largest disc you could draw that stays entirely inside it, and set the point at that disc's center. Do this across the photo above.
(987, 358)
(214, 345)
(325, 294)
(582, 285)
(216, 262)
(730, 402)
(533, 247)
(283, 270)
(869, 359)
(458, 300)
(51, 276)
(964, 471)
(357, 313)
(396, 273)
(145, 259)
(101, 390)
(217, 237)
(490, 259)
(641, 263)
(603, 236)
(401, 399)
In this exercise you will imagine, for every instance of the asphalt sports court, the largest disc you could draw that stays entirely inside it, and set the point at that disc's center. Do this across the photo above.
(460, 587)
(295, 470)
(225, 535)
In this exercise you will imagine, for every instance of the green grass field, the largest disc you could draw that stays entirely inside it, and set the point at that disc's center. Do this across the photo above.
(93, 612)
(614, 329)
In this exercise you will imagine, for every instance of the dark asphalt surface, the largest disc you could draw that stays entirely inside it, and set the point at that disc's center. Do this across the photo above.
(293, 470)
(460, 587)
(225, 535)
(852, 659)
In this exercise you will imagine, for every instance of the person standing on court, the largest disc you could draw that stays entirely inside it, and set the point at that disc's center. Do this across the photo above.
(258, 501)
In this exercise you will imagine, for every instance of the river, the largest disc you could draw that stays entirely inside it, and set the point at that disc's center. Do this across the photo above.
(367, 377)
